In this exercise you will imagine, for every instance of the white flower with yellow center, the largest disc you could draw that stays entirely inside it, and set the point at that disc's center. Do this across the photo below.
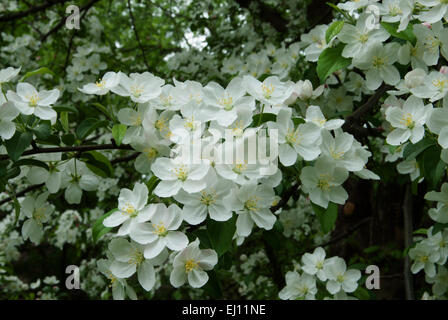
(252, 203)
(315, 42)
(378, 62)
(270, 92)
(408, 121)
(314, 263)
(360, 38)
(438, 10)
(132, 209)
(323, 183)
(428, 39)
(190, 265)
(315, 115)
(303, 140)
(37, 210)
(160, 232)
(213, 201)
(225, 103)
(129, 258)
(337, 150)
(30, 101)
(151, 147)
(176, 175)
(339, 278)
(424, 256)
(298, 287)
(434, 87)
(101, 87)
(120, 287)
(140, 87)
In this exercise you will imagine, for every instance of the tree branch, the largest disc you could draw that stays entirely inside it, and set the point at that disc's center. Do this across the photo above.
(22, 14)
(37, 186)
(37, 150)
(367, 107)
(267, 13)
(136, 35)
(285, 197)
(341, 236)
(23, 192)
(63, 19)
(407, 213)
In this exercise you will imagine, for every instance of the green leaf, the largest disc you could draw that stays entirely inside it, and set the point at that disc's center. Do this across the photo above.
(118, 132)
(213, 285)
(64, 120)
(406, 34)
(31, 162)
(98, 229)
(18, 144)
(221, 234)
(43, 70)
(103, 109)
(98, 163)
(421, 231)
(331, 60)
(439, 227)
(333, 30)
(411, 151)
(88, 126)
(43, 131)
(298, 121)
(327, 217)
(60, 109)
(265, 117)
(68, 139)
(433, 166)
(152, 184)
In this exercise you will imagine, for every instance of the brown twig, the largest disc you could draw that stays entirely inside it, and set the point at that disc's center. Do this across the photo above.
(93, 147)
(367, 107)
(407, 213)
(63, 19)
(137, 36)
(23, 192)
(33, 10)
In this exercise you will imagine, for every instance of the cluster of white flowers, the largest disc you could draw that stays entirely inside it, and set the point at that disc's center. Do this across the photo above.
(165, 121)
(317, 268)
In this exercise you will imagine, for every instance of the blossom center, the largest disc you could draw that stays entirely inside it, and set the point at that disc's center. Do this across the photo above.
(379, 62)
(407, 120)
(190, 265)
(100, 84)
(181, 172)
(267, 90)
(136, 257)
(159, 229)
(239, 168)
(151, 153)
(33, 99)
(323, 183)
(363, 38)
(136, 91)
(226, 102)
(251, 204)
(440, 84)
(208, 198)
(129, 209)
